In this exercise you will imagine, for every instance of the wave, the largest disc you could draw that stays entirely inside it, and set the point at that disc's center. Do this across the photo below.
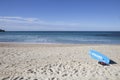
(60, 37)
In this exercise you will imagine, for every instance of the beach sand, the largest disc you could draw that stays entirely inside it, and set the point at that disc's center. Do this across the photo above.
(57, 62)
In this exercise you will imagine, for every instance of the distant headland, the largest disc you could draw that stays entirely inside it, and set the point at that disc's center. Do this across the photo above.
(1, 30)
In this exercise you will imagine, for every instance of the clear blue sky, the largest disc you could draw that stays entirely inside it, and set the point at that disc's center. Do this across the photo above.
(60, 15)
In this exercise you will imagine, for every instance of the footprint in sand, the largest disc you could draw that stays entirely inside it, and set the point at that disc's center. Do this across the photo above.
(6, 78)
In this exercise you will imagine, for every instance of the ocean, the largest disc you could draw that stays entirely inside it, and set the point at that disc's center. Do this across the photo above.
(62, 37)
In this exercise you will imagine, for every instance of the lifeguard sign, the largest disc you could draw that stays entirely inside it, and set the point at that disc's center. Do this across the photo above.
(98, 56)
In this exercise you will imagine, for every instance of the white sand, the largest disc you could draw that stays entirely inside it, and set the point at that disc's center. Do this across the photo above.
(56, 62)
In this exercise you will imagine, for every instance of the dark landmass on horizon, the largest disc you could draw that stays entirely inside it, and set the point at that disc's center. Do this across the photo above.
(1, 30)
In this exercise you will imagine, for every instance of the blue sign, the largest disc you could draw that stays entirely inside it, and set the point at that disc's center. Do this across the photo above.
(98, 56)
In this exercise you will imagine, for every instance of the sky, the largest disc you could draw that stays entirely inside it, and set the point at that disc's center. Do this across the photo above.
(60, 15)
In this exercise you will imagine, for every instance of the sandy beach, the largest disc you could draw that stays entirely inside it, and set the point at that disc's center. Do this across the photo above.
(57, 62)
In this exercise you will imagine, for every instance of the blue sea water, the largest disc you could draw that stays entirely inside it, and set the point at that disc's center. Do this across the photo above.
(66, 37)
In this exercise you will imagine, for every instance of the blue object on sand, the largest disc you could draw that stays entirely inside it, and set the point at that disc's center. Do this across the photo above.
(98, 56)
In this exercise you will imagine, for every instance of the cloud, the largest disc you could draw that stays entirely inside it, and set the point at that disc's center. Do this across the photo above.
(19, 19)
(32, 20)
(13, 23)
(16, 23)
(21, 23)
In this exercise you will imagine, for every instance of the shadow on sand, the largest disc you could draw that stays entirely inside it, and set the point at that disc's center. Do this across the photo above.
(104, 64)
(112, 62)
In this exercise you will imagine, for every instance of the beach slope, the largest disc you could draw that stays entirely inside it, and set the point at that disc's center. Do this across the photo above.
(57, 62)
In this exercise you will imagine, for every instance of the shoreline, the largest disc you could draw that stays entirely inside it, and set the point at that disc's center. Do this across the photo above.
(30, 43)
